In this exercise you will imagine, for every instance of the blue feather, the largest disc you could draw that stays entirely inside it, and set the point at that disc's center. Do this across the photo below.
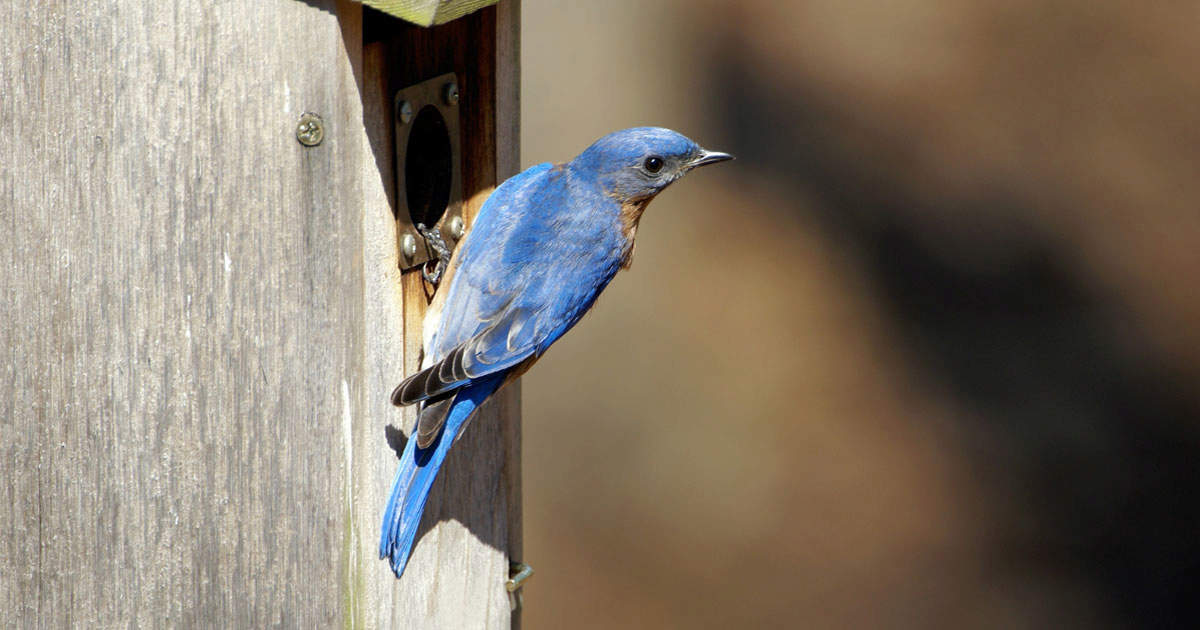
(418, 468)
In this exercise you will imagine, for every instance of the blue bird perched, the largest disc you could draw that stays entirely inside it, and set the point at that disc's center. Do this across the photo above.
(543, 247)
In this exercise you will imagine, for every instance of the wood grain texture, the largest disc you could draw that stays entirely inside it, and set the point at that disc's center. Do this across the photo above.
(456, 575)
(508, 163)
(428, 12)
(183, 313)
(203, 320)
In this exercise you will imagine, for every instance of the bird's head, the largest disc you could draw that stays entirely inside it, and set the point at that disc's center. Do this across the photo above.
(634, 165)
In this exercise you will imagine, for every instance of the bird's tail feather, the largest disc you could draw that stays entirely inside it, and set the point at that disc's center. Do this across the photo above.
(418, 469)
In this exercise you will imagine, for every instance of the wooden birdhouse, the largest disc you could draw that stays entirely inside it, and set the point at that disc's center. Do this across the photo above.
(213, 280)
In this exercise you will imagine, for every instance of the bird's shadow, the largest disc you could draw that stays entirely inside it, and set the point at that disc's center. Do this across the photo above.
(396, 439)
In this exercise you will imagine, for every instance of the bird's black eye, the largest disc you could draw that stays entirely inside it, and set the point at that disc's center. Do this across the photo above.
(653, 164)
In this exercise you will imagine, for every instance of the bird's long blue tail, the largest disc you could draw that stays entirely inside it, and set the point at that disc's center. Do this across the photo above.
(418, 469)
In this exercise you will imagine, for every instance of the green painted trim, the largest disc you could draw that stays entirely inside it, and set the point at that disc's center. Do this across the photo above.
(428, 12)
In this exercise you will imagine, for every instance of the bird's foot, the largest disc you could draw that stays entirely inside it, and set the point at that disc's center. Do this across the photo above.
(433, 236)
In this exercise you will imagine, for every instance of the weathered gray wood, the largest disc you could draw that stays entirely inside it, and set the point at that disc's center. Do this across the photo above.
(508, 163)
(455, 578)
(202, 321)
(183, 308)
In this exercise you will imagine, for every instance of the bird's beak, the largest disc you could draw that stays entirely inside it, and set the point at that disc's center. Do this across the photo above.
(709, 157)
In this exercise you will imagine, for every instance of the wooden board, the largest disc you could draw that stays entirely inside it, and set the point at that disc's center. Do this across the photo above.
(203, 320)
(428, 12)
(460, 561)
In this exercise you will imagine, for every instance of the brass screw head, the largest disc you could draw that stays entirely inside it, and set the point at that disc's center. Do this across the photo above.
(310, 131)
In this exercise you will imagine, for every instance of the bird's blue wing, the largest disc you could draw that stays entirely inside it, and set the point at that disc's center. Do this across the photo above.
(483, 328)
(513, 292)
(503, 344)
(515, 285)
(488, 283)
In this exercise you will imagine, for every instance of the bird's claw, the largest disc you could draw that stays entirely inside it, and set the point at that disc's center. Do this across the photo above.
(432, 277)
(433, 236)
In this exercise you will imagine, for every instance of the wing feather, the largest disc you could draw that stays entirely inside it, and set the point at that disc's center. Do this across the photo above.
(512, 294)
(432, 417)
(502, 345)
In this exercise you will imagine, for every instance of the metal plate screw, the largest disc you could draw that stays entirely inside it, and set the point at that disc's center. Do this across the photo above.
(310, 131)
(450, 93)
(404, 112)
(456, 228)
(408, 246)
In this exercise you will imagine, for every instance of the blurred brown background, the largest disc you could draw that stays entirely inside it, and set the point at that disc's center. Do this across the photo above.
(924, 356)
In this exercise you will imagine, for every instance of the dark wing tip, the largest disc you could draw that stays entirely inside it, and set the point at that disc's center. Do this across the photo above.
(398, 394)
(432, 417)
(442, 377)
(409, 391)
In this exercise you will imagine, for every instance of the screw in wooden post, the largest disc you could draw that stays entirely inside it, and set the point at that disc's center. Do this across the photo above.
(310, 131)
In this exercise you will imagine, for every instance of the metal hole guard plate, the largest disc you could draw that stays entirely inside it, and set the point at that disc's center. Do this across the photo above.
(440, 92)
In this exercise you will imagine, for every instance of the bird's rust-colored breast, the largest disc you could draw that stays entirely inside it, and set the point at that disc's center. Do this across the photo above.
(631, 215)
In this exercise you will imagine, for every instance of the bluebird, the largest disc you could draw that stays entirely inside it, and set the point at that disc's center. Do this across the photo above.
(543, 247)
